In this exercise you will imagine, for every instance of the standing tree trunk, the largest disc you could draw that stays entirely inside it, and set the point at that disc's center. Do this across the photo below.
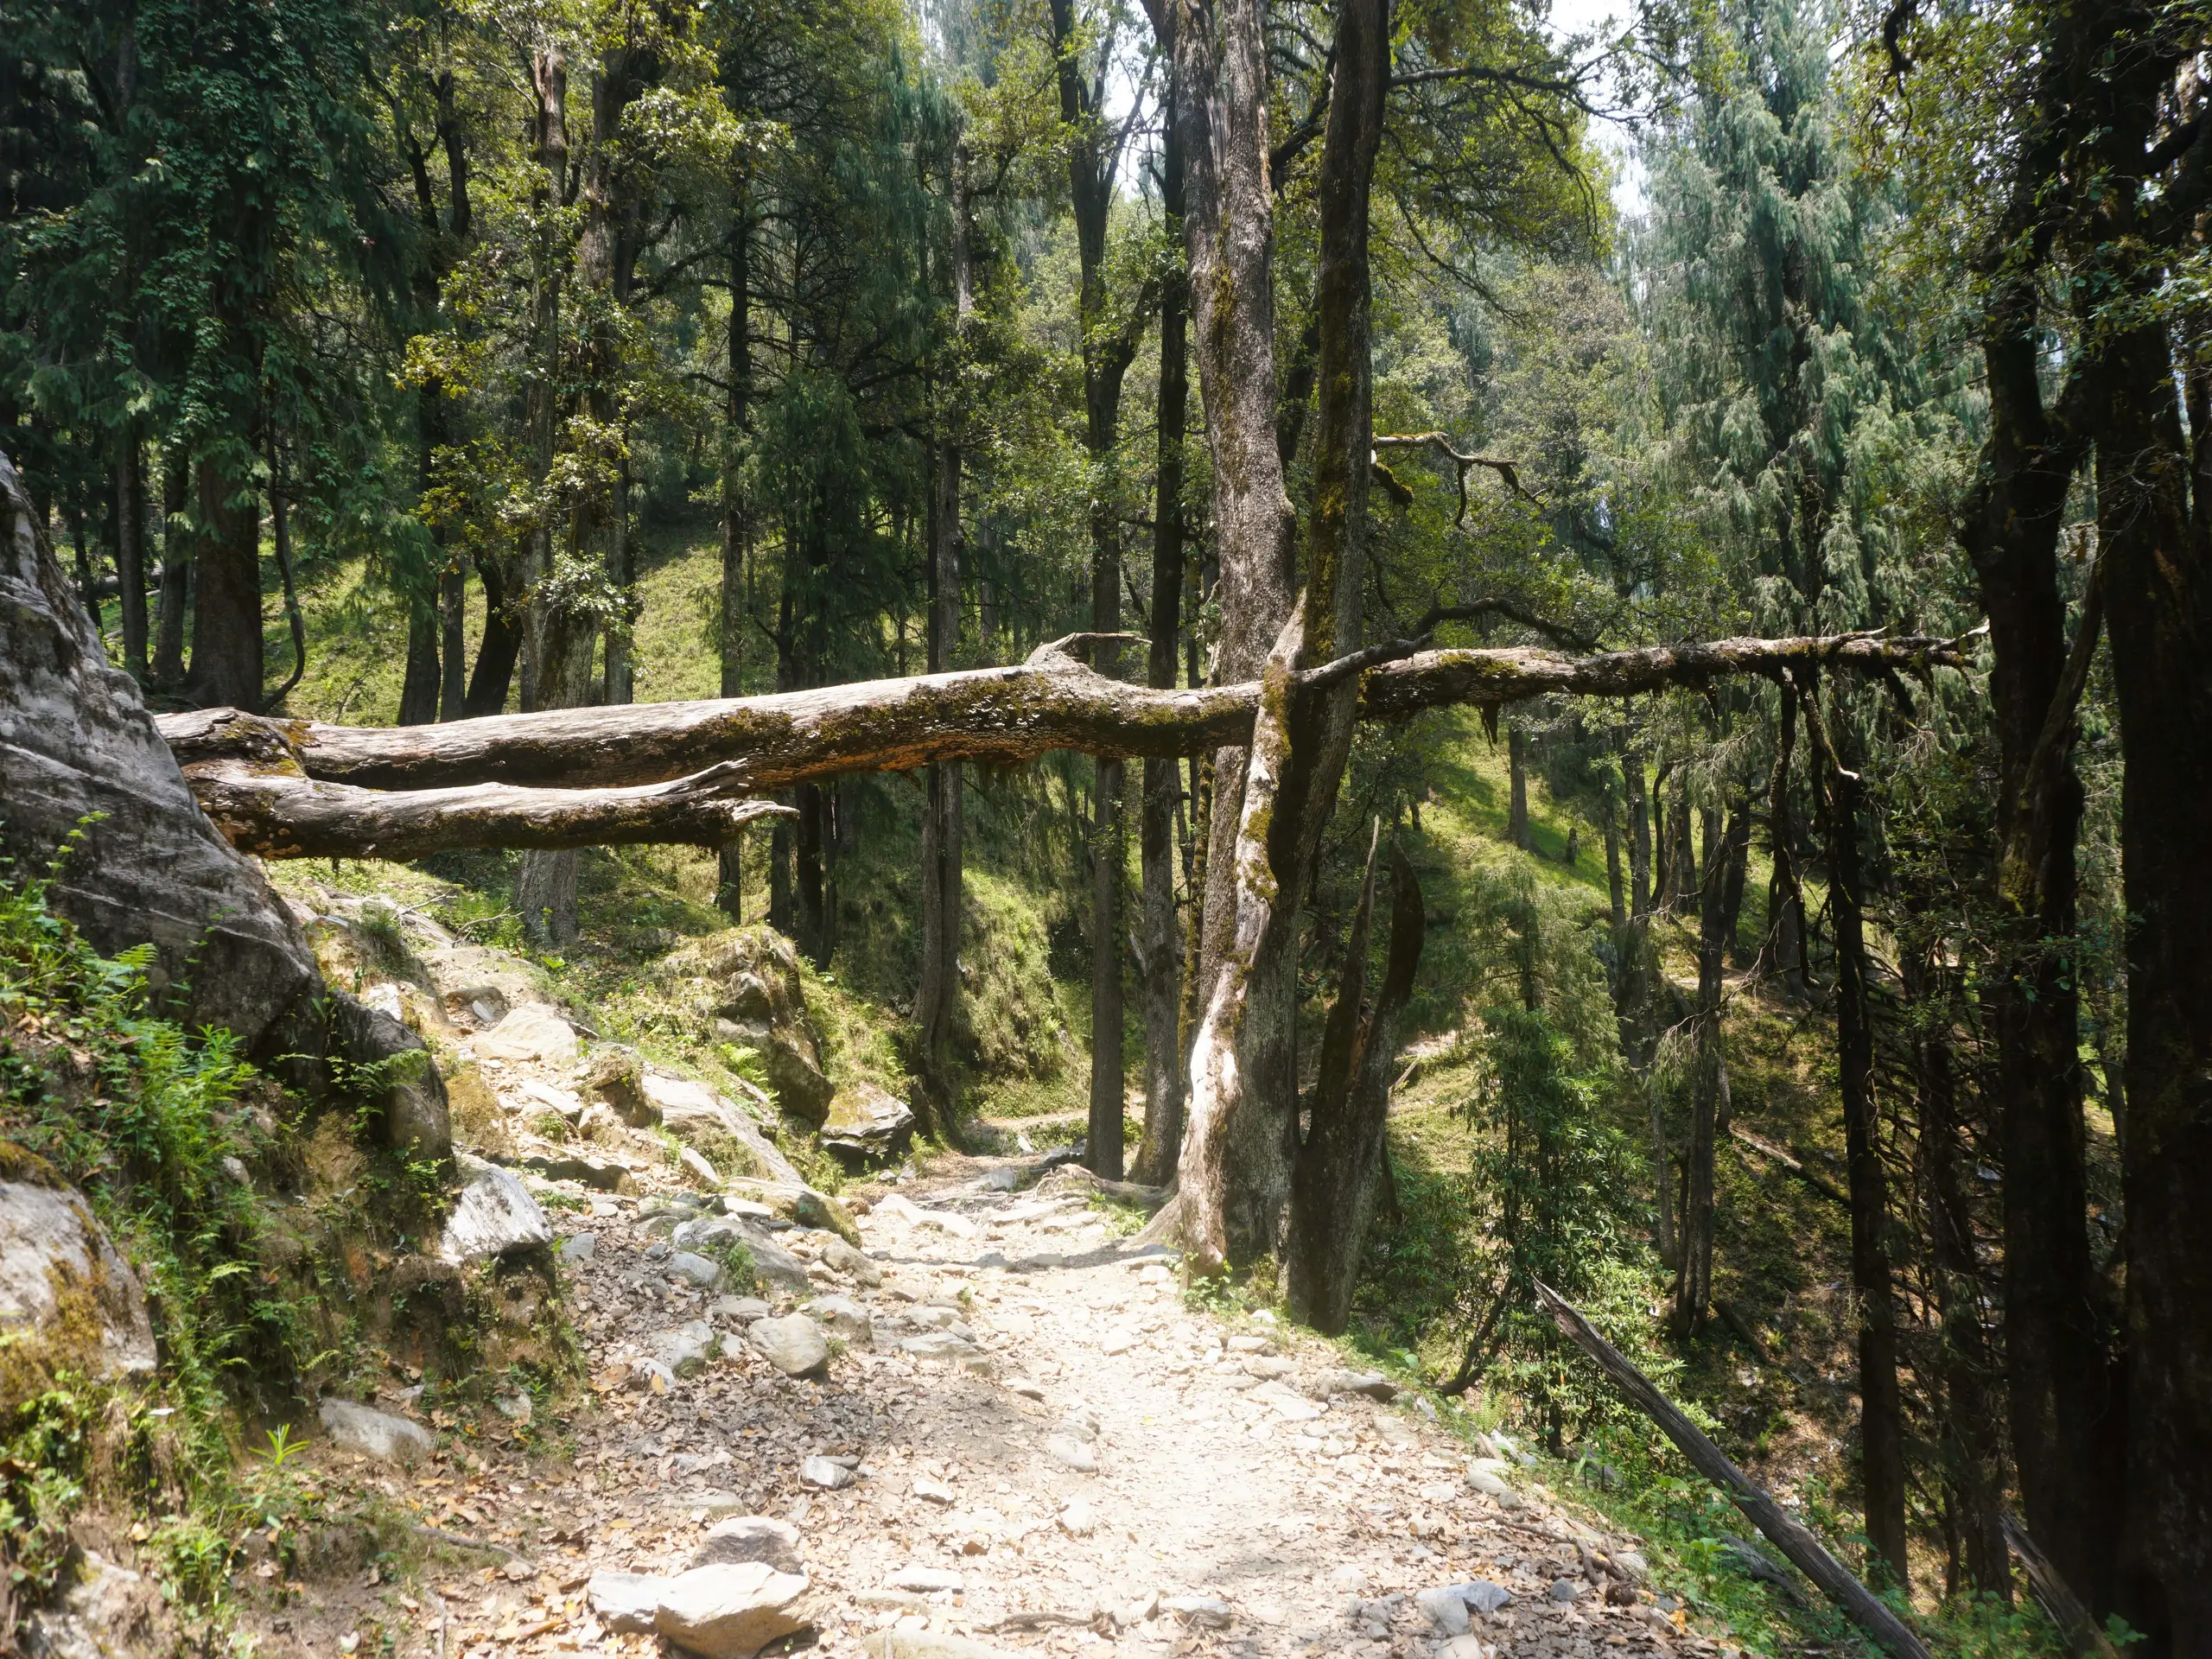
(130, 547)
(419, 684)
(936, 1000)
(2154, 508)
(1106, 352)
(1516, 767)
(1881, 1407)
(176, 575)
(1694, 1273)
(227, 644)
(558, 645)
(1161, 938)
(737, 521)
(2065, 1413)
(1639, 845)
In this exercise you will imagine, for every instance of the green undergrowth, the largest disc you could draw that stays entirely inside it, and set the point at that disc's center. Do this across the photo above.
(269, 1230)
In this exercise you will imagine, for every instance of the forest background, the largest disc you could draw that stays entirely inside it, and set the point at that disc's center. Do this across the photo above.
(412, 362)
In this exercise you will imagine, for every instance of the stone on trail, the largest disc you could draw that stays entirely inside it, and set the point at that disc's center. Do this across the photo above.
(700, 1270)
(731, 1611)
(1445, 1608)
(493, 1215)
(842, 1315)
(651, 1376)
(1565, 1589)
(702, 1172)
(686, 1348)
(938, 1344)
(793, 1344)
(933, 1491)
(377, 1434)
(1465, 1647)
(738, 1309)
(1073, 1452)
(1250, 1345)
(579, 1246)
(531, 1031)
(751, 1538)
(1078, 1519)
(827, 1473)
(624, 1602)
(867, 1125)
(1286, 1402)
(1373, 1384)
(1483, 1596)
(840, 1257)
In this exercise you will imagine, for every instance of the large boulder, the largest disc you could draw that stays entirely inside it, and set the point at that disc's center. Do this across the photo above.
(69, 1300)
(867, 1125)
(79, 750)
(743, 986)
(717, 1125)
(493, 1215)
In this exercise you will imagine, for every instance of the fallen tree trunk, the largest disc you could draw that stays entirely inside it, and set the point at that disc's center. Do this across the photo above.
(262, 801)
(1785, 1532)
(997, 716)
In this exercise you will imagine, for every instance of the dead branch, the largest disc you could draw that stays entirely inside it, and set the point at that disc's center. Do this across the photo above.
(1784, 1532)
(1441, 442)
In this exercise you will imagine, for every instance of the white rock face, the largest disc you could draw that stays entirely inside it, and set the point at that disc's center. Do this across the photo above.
(494, 1214)
(531, 1031)
(731, 1610)
(378, 1433)
(49, 1240)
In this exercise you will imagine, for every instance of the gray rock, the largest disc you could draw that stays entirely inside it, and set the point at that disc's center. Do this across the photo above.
(51, 1246)
(777, 1267)
(579, 1246)
(1078, 1519)
(1286, 1402)
(687, 1347)
(938, 1344)
(867, 1125)
(738, 1309)
(1566, 1590)
(793, 1344)
(732, 1610)
(377, 1434)
(844, 1316)
(750, 1538)
(696, 1269)
(1075, 1453)
(76, 740)
(827, 1473)
(493, 1215)
(854, 1264)
(1251, 1345)
(1484, 1596)
(624, 1602)
(1632, 1565)
(1444, 1609)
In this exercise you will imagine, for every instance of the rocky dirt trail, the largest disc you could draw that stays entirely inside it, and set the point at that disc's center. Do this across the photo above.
(996, 1426)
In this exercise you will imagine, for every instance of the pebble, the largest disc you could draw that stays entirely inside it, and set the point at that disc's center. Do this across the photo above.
(1078, 1519)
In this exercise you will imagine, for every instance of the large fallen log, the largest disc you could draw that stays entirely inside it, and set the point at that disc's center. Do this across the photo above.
(1805, 1551)
(991, 716)
(257, 795)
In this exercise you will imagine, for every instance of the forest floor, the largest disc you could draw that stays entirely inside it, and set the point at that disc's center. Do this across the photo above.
(1100, 1466)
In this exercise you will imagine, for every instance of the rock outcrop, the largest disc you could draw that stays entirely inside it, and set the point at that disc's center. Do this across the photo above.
(743, 986)
(78, 751)
(69, 1300)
